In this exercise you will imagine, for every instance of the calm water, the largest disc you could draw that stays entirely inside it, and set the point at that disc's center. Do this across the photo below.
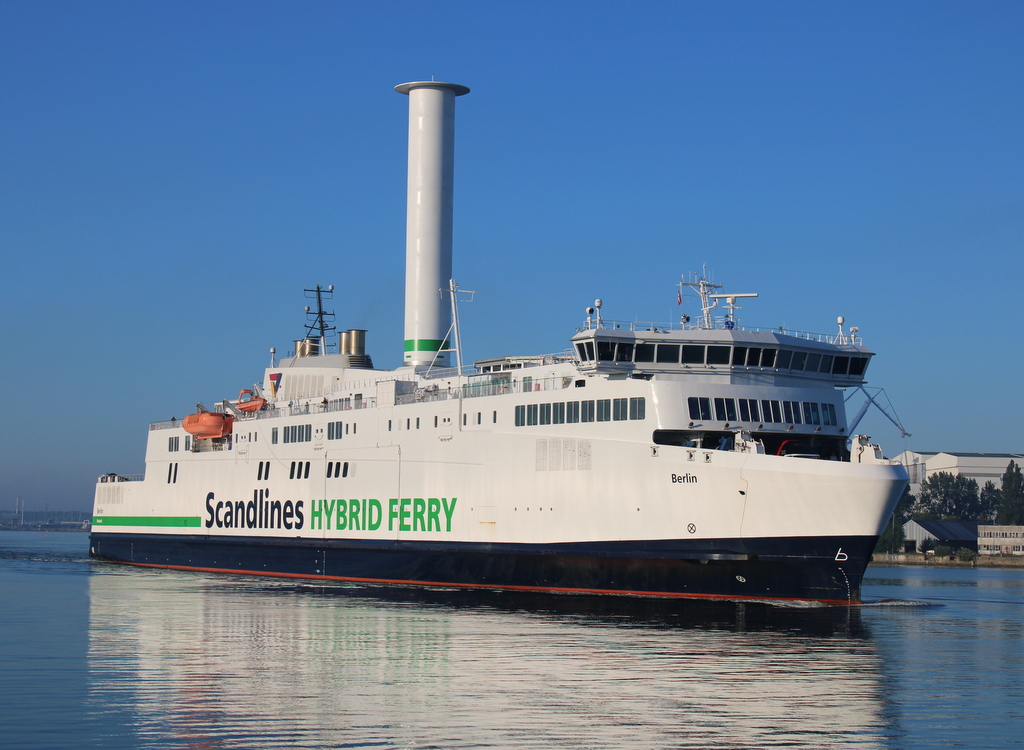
(96, 655)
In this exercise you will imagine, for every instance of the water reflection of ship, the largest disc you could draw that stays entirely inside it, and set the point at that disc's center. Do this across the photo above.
(212, 663)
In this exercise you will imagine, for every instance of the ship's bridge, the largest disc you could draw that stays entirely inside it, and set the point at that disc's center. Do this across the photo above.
(641, 350)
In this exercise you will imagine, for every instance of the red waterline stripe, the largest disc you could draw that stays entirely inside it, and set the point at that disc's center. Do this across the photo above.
(438, 584)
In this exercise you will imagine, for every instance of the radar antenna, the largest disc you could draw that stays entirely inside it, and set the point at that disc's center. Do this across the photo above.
(319, 320)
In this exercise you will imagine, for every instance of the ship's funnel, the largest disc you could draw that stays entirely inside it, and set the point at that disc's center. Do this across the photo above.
(428, 243)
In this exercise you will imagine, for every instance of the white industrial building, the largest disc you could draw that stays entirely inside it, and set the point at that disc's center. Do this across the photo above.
(981, 467)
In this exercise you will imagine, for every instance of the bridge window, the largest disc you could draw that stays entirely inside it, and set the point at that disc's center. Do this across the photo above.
(668, 353)
(643, 353)
(718, 355)
(693, 354)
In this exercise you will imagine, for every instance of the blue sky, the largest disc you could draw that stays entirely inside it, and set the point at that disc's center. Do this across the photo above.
(172, 175)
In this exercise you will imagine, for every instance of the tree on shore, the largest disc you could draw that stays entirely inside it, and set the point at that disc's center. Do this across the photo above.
(989, 498)
(950, 497)
(1011, 497)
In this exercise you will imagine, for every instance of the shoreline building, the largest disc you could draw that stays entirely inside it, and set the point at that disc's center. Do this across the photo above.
(981, 467)
(1001, 540)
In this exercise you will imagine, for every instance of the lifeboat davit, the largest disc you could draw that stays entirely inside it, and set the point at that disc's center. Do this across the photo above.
(206, 424)
(253, 403)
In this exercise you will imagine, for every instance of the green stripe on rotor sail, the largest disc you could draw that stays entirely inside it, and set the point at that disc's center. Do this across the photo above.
(193, 521)
(425, 345)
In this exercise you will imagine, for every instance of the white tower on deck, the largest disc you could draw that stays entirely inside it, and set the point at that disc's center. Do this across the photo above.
(428, 244)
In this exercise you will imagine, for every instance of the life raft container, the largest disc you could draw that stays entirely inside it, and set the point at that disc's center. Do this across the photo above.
(253, 403)
(206, 424)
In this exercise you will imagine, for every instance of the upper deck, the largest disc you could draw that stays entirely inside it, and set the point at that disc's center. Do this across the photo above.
(722, 349)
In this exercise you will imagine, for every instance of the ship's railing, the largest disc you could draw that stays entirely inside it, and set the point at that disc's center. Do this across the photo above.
(107, 478)
(496, 387)
(719, 323)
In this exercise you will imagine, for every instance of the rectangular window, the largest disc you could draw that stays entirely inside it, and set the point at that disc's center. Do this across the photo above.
(172, 444)
(604, 410)
(813, 362)
(520, 416)
(693, 354)
(527, 384)
(558, 413)
(700, 408)
(720, 409)
(718, 355)
(858, 365)
(572, 412)
(581, 351)
(531, 414)
(643, 353)
(755, 415)
(785, 358)
(826, 363)
(668, 353)
(828, 413)
(799, 359)
(545, 413)
(624, 353)
(739, 355)
(638, 408)
(744, 410)
(273, 435)
(620, 409)
(840, 365)
(768, 357)
(811, 415)
(771, 411)
(754, 357)
(725, 409)
(586, 411)
(606, 351)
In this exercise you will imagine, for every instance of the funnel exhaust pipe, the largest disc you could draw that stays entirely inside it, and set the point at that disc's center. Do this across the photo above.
(428, 239)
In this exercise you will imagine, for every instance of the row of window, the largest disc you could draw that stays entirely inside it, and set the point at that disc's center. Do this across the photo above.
(172, 473)
(300, 470)
(571, 412)
(716, 354)
(294, 433)
(765, 410)
(337, 469)
(174, 443)
(336, 430)
(263, 471)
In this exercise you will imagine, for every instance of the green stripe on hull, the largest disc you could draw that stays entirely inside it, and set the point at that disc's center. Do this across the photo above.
(193, 521)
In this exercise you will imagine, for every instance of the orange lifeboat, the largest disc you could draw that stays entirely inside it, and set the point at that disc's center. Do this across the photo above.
(206, 424)
(253, 403)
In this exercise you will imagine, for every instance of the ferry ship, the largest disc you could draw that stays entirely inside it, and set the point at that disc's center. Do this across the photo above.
(701, 459)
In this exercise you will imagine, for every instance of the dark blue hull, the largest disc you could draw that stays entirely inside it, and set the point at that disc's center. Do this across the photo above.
(826, 570)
